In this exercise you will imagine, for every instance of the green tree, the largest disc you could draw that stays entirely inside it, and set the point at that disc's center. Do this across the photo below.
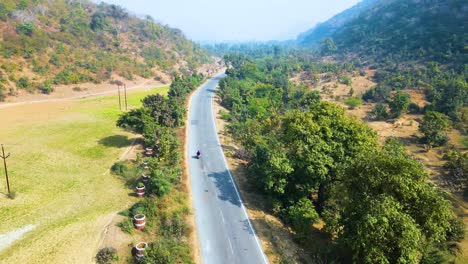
(25, 28)
(316, 143)
(379, 112)
(98, 21)
(433, 126)
(327, 46)
(457, 164)
(386, 208)
(452, 94)
(134, 120)
(399, 103)
(302, 215)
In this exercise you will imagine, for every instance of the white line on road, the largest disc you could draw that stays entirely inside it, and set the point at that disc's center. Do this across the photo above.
(222, 216)
(230, 246)
(235, 187)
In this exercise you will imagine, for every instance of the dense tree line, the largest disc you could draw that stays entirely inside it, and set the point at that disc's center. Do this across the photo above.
(157, 120)
(315, 163)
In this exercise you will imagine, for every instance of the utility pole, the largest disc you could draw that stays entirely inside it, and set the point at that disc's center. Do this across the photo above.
(6, 171)
(125, 93)
(118, 88)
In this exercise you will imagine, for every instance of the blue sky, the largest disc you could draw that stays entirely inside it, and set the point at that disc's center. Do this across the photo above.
(238, 20)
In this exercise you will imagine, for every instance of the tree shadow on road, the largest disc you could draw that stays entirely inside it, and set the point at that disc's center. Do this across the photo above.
(225, 187)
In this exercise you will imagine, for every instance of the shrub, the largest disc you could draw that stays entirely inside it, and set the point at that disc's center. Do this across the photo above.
(352, 102)
(119, 168)
(379, 112)
(159, 186)
(457, 164)
(23, 83)
(2, 93)
(346, 80)
(174, 226)
(46, 87)
(241, 154)
(414, 108)
(167, 251)
(126, 226)
(26, 28)
(107, 255)
(224, 115)
(433, 126)
(399, 103)
(302, 215)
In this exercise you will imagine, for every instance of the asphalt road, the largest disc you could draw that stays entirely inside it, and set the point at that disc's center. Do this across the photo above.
(224, 229)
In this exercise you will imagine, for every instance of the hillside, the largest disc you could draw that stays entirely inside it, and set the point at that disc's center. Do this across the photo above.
(47, 43)
(397, 31)
(313, 36)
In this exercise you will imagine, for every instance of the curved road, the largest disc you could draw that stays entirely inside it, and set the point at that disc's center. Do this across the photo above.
(224, 229)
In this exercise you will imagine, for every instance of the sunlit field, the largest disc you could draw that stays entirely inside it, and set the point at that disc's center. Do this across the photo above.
(61, 153)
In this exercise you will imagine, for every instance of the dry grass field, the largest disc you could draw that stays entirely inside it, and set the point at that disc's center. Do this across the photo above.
(61, 153)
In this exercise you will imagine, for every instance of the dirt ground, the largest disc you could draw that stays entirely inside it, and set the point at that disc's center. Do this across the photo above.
(83, 90)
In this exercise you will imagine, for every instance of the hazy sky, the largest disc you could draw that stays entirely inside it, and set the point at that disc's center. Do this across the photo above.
(238, 20)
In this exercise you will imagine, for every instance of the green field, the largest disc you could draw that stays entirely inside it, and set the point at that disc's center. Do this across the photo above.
(61, 153)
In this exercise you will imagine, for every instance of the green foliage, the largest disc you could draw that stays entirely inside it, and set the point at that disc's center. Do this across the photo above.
(87, 45)
(23, 83)
(167, 251)
(174, 226)
(433, 126)
(134, 120)
(370, 31)
(127, 226)
(457, 164)
(353, 102)
(346, 80)
(327, 46)
(119, 168)
(302, 215)
(388, 209)
(107, 255)
(379, 93)
(399, 103)
(450, 96)
(2, 93)
(379, 112)
(98, 21)
(46, 87)
(159, 183)
(25, 28)
(313, 161)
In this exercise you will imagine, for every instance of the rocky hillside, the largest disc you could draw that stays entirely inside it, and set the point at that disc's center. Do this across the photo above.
(44, 43)
(397, 31)
(313, 36)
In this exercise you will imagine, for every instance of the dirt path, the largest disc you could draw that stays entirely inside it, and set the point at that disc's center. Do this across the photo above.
(70, 95)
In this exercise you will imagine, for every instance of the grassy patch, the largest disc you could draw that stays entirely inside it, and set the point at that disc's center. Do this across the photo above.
(60, 156)
(464, 141)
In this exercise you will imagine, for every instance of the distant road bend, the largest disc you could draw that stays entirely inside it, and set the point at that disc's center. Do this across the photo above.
(224, 230)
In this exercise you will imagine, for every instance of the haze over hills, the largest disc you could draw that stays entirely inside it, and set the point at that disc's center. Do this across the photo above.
(397, 30)
(47, 43)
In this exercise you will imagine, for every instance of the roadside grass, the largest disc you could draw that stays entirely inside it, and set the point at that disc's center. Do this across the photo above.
(61, 153)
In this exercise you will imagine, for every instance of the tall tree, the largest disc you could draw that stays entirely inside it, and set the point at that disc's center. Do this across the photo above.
(387, 211)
